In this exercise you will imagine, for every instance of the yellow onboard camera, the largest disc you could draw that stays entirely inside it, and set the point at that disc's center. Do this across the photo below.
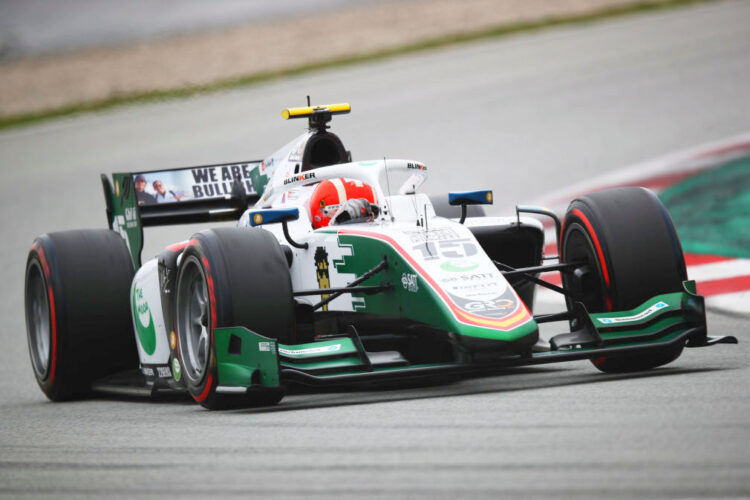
(334, 109)
(318, 116)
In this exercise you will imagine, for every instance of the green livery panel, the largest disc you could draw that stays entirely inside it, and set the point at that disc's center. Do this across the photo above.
(416, 298)
(244, 357)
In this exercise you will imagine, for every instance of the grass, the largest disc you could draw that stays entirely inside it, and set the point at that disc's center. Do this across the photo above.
(255, 78)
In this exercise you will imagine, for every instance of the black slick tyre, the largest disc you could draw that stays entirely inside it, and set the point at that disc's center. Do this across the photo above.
(632, 253)
(229, 277)
(77, 308)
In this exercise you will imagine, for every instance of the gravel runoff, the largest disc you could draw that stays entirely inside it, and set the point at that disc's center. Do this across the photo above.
(45, 83)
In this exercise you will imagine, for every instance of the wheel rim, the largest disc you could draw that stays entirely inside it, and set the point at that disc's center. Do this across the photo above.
(193, 311)
(577, 246)
(38, 319)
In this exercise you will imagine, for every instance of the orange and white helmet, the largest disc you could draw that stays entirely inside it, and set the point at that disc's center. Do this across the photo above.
(330, 194)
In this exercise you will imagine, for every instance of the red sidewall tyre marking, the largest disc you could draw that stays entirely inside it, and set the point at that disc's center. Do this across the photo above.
(206, 390)
(599, 252)
(211, 296)
(53, 362)
(43, 260)
(176, 247)
(212, 301)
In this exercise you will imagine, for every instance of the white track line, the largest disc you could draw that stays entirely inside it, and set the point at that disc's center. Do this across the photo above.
(719, 270)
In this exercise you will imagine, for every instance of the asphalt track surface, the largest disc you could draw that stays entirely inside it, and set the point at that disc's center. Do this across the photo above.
(522, 116)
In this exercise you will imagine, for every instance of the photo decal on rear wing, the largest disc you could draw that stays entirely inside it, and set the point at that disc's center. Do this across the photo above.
(198, 183)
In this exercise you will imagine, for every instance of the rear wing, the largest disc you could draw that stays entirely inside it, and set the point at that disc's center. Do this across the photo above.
(208, 193)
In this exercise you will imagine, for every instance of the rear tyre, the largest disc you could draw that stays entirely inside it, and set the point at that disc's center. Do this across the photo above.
(631, 253)
(230, 277)
(78, 320)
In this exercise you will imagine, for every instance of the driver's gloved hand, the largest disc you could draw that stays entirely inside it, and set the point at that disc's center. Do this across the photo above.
(357, 208)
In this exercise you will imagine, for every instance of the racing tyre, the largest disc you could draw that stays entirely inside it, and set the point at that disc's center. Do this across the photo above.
(78, 321)
(230, 277)
(631, 253)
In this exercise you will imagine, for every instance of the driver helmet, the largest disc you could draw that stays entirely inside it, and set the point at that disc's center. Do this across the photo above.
(330, 194)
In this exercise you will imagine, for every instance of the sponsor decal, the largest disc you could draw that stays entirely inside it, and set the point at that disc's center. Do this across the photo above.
(264, 346)
(176, 369)
(117, 188)
(131, 217)
(490, 305)
(468, 277)
(173, 340)
(128, 219)
(321, 271)
(438, 234)
(287, 196)
(409, 281)
(475, 286)
(258, 218)
(475, 289)
(147, 371)
(447, 249)
(296, 155)
(301, 177)
(163, 371)
(218, 181)
(144, 324)
(172, 186)
(489, 196)
(417, 166)
(458, 266)
(636, 317)
(496, 308)
(310, 350)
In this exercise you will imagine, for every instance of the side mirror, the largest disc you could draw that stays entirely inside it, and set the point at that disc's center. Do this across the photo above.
(465, 198)
(262, 217)
(283, 215)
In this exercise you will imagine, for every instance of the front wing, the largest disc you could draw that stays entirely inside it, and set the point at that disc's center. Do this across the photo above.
(663, 321)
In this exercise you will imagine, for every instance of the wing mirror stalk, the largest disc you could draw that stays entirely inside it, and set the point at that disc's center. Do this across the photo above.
(283, 215)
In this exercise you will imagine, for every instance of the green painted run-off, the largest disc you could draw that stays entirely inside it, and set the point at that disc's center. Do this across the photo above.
(711, 210)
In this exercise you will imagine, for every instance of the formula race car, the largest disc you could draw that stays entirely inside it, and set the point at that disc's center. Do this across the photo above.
(341, 272)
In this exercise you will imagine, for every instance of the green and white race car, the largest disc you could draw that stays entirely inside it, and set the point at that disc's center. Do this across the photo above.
(342, 272)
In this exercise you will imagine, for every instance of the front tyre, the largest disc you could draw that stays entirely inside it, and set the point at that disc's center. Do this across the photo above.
(78, 320)
(630, 252)
(229, 277)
